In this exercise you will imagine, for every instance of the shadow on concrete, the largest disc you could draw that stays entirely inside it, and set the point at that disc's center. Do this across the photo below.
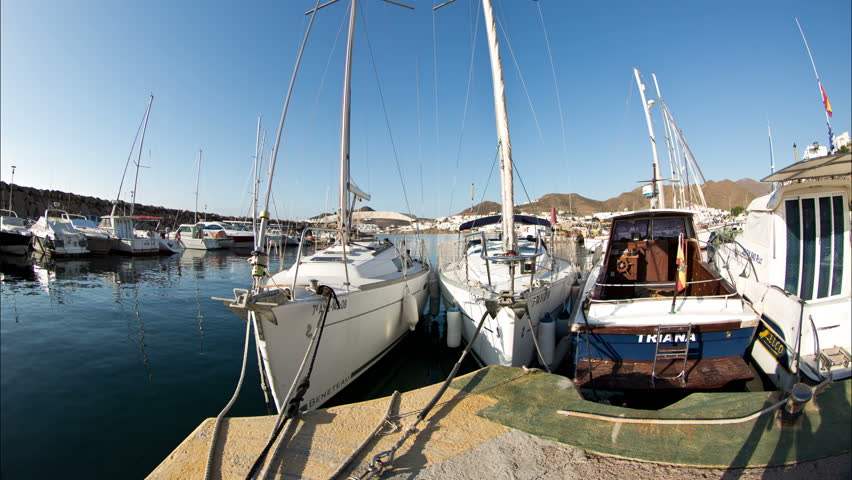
(414, 457)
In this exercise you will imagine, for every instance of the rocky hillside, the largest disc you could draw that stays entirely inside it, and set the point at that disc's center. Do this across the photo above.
(724, 194)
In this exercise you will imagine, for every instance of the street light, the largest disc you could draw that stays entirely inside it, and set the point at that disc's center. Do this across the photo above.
(11, 185)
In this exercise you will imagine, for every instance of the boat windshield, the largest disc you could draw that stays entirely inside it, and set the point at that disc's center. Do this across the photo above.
(630, 229)
(14, 221)
(80, 221)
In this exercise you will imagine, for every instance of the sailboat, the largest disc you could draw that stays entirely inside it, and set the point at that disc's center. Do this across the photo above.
(202, 235)
(516, 283)
(347, 305)
(121, 226)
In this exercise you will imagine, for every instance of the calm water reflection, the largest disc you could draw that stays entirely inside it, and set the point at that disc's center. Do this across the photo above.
(107, 363)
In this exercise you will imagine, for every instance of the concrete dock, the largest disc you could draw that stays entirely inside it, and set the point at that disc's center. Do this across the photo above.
(502, 422)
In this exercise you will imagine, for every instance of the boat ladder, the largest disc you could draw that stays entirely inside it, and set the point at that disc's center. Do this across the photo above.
(678, 350)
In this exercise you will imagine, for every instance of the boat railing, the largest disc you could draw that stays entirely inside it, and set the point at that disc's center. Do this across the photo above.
(739, 251)
(296, 265)
(509, 258)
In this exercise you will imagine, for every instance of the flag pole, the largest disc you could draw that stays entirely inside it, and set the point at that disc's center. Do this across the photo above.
(822, 93)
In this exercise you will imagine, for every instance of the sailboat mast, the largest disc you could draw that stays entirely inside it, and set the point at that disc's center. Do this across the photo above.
(197, 178)
(771, 151)
(510, 242)
(658, 181)
(668, 138)
(343, 200)
(139, 158)
(256, 172)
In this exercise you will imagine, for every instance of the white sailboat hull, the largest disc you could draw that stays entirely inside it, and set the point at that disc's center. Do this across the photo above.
(505, 340)
(366, 326)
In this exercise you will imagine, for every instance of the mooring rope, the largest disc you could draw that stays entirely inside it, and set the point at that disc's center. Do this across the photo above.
(384, 459)
(386, 420)
(212, 452)
(535, 339)
(291, 402)
(674, 421)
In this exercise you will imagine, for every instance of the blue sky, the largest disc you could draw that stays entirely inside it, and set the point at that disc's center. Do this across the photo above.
(75, 79)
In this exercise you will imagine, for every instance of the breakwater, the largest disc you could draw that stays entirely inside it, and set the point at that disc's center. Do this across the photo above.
(29, 202)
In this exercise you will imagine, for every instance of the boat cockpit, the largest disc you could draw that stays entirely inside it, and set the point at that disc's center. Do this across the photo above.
(641, 259)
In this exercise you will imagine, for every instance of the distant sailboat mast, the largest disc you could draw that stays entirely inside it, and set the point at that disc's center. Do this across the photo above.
(771, 153)
(142, 126)
(139, 158)
(771, 149)
(822, 94)
(197, 178)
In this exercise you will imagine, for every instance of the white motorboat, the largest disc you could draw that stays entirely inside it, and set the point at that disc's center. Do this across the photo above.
(55, 235)
(792, 261)
(127, 240)
(516, 283)
(154, 229)
(202, 237)
(240, 235)
(15, 237)
(98, 240)
(349, 304)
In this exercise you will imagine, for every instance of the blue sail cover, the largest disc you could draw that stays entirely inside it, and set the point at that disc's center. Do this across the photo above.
(523, 219)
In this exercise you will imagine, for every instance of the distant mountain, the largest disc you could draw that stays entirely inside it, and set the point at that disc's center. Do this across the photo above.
(754, 187)
(724, 194)
(484, 208)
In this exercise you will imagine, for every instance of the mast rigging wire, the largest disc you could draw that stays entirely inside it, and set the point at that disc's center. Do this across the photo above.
(521, 77)
(387, 120)
(555, 84)
(129, 156)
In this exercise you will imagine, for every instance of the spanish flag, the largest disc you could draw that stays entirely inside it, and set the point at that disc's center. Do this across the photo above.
(681, 263)
(825, 100)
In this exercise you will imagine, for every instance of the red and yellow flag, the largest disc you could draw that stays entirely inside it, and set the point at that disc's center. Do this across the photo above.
(681, 262)
(825, 100)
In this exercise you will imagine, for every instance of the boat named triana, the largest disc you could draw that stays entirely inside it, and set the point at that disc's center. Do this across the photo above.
(655, 314)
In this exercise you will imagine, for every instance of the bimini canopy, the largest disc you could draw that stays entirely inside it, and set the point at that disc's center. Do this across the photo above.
(522, 219)
(373, 215)
(829, 166)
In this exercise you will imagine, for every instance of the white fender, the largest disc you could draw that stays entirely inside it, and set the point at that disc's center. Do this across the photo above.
(410, 315)
(547, 339)
(454, 326)
(434, 294)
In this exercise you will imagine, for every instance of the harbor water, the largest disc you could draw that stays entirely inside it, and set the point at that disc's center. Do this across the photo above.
(108, 362)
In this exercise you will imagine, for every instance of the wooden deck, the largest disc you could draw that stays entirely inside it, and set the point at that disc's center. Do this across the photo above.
(701, 374)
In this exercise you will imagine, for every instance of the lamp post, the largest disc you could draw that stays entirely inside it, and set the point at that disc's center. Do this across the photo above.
(11, 185)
